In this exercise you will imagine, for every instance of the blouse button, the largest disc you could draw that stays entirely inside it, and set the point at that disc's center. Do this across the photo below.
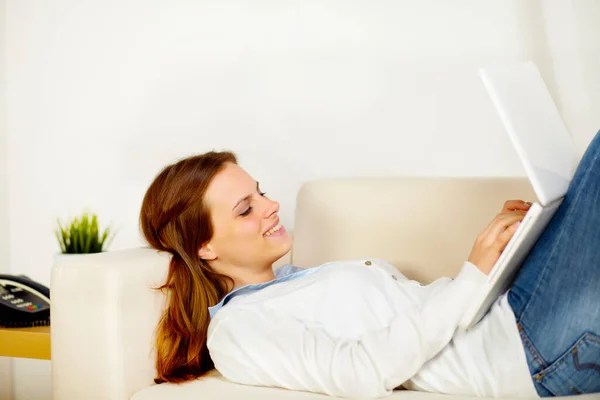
(368, 262)
(395, 278)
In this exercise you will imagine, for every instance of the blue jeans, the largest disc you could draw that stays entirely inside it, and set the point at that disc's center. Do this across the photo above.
(556, 294)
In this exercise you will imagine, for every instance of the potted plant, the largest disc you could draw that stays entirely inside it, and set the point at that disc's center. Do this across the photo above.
(82, 235)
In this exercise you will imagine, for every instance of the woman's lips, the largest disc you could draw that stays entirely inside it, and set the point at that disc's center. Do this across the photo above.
(278, 230)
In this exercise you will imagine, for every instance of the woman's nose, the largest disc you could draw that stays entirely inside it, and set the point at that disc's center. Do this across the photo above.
(272, 208)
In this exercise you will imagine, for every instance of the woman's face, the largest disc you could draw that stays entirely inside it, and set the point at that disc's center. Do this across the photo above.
(246, 227)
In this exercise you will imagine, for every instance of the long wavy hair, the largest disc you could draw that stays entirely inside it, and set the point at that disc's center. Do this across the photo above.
(174, 218)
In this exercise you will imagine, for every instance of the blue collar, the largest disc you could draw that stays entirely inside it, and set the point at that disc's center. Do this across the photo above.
(283, 274)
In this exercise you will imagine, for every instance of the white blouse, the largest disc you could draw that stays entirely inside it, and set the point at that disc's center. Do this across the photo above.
(360, 329)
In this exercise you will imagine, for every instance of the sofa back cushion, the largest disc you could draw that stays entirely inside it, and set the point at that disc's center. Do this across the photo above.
(424, 226)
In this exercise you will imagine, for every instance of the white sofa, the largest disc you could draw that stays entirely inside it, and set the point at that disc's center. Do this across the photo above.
(104, 309)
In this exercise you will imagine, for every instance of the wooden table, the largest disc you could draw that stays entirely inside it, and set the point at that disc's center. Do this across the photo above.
(25, 342)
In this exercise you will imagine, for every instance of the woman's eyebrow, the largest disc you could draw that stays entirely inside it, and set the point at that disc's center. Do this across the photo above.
(245, 198)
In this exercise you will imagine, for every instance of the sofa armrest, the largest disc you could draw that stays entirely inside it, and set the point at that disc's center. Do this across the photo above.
(104, 312)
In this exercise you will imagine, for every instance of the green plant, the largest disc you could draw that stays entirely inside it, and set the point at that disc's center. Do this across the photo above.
(82, 235)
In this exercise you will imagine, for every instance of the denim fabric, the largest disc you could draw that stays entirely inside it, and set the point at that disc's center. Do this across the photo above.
(556, 295)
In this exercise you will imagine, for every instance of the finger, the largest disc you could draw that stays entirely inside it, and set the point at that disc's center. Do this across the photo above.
(511, 205)
(503, 221)
(505, 236)
(492, 229)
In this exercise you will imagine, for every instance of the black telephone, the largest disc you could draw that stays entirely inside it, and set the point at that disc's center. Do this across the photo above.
(23, 302)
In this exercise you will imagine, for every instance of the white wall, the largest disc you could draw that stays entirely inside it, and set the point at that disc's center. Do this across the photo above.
(5, 363)
(572, 29)
(4, 247)
(103, 94)
(588, 24)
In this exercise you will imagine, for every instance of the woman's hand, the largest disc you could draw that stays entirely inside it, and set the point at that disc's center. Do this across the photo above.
(491, 242)
(515, 205)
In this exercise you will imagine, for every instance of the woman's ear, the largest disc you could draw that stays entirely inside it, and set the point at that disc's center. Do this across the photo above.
(206, 252)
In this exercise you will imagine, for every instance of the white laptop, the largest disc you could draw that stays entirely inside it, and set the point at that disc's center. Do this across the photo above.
(548, 154)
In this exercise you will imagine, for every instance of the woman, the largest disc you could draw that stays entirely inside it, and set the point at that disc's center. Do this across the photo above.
(359, 328)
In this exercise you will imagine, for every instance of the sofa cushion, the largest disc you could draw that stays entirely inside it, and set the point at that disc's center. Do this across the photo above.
(423, 226)
(214, 386)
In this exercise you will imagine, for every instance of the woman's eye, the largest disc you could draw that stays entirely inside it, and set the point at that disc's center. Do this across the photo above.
(262, 193)
(245, 213)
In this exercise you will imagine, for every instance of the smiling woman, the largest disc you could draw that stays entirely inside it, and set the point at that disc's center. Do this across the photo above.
(360, 328)
(223, 233)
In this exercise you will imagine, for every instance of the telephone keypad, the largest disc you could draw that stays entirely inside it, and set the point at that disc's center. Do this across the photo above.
(21, 299)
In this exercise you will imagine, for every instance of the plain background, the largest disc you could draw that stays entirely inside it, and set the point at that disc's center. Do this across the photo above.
(97, 96)
(5, 372)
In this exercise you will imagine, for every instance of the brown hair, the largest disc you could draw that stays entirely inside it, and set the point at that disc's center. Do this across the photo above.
(175, 219)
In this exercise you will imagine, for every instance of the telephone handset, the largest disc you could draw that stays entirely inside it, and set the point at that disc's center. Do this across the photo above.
(23, 302)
